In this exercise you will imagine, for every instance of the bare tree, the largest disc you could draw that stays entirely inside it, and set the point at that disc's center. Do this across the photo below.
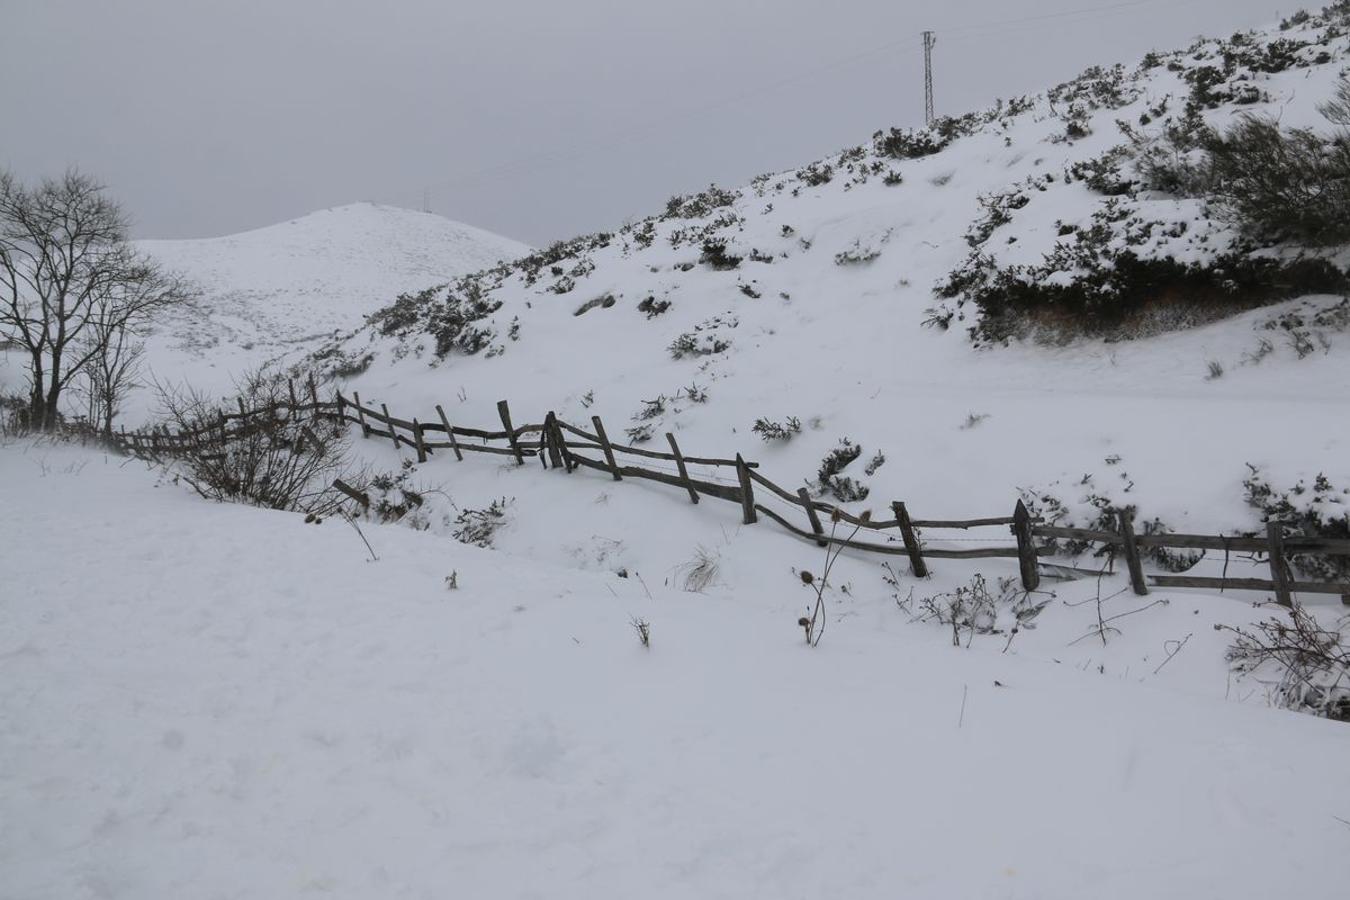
(110, 374)
(69, 282)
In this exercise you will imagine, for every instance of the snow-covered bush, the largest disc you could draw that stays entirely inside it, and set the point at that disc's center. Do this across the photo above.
(974, 609)
(715, 255)
(480, 526)
(653, 307)
(1280, 184)
(1319, 509)
(841, 487)
(1309, 662)
(274, 458)
(450, 314)
(770, 430)
(706, 339)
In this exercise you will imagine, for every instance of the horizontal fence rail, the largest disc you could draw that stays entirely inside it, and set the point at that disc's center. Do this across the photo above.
(561, 445)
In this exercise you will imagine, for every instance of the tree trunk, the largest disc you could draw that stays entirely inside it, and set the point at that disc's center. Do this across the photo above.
(36, 401)
(50, 417)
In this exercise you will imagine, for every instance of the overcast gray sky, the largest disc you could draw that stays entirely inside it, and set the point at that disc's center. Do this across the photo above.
(535, 118)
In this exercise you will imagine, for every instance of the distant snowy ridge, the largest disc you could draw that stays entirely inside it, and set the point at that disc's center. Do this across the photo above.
(270, 290)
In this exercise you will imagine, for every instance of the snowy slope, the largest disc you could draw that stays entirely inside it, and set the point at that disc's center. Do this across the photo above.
(220, 701)
(823, 317)
(276, 289)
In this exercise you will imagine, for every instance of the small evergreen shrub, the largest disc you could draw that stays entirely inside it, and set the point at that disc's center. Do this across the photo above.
(715, 255)
(784, 431)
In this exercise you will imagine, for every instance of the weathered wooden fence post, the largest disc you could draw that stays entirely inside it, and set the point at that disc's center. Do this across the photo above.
(389, 423)
(912, 549)
(747, 492)
(1026, 547)
(313, 392)
(684, 470)
(360, 414)
(504, 411)
(295, 401)
(607, 447)
(417, 439)
(1279, 567)
(560, 441)
(810, 508)
(549, 439)
(1132, 562)
(454, 444)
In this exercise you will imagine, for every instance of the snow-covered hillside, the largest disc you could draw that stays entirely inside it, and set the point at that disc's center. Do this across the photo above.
(817, 295)
(281, 288)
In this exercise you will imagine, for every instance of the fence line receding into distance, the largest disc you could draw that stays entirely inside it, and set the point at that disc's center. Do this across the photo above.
(558, 444)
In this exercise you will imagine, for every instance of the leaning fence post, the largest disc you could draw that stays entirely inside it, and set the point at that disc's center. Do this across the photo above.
(417, 439)
(916, 563)
(607, 447)
(747, 491)
(1026, 547)
(560, 441)
(684, 471)
(1132, 563)
(313, 392)
(811, 514)
(505, 412)
(389, 421)
(549, 440)
(295, 401)
(360, 414)
(1279, 568)
(454, 444)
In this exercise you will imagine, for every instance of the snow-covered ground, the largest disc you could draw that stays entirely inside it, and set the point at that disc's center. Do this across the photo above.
(283, 288)
(218, 701)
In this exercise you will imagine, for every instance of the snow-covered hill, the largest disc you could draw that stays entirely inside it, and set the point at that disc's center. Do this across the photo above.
(281, 288)
(817, 295)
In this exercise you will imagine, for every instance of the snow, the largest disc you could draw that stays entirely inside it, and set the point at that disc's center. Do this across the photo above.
(282, 288)
(219, 701)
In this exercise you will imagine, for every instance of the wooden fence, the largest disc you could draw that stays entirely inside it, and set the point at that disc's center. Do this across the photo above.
(560, 445)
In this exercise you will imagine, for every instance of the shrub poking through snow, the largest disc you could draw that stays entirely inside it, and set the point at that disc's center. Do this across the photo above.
(1309, 661)
(973, 609)
(479, 527)
(1319, 509)
(841, 487)
(273, 460)
(906, 144)
(715, 255)
(705, 340)
(653, 307)
(876, 462)
(770, 430)
(393, 497)
(700, 573)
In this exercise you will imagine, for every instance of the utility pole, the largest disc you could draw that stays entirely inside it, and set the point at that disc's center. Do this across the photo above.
(929, 39)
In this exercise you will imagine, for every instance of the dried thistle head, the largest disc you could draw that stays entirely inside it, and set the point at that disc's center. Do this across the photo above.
(807, 577)
(836, 515)
(866, 516)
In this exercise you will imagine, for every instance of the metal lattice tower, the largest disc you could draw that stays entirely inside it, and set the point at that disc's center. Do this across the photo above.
(929, 39)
